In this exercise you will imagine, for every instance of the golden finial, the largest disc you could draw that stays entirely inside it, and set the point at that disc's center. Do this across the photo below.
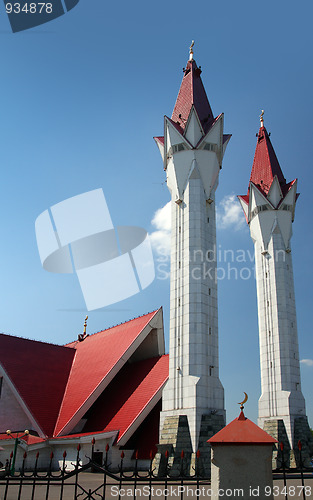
(85, 326)
(82, 336)
(191, 50)
(244, 401)
(261, 118)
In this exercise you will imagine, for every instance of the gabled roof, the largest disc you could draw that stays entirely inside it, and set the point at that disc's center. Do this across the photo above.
(192, 93)
(57, 385)
(122, 404)
(39, 380)
(265, 164)
(242, 431)
(97, 360)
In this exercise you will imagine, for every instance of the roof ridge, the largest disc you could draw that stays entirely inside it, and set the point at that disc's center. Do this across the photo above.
(114, 326)
(34, 340)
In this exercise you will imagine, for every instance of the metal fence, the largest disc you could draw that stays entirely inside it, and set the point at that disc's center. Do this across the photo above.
(299, 474)
(107, 484)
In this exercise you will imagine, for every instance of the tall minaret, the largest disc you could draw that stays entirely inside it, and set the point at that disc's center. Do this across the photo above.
(269, 208)
(192, 149)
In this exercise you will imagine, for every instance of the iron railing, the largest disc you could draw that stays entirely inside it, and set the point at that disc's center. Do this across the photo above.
(73, 485)
(284, 472)
(64, 484)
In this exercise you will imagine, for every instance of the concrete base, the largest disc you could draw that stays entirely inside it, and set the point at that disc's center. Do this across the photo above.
(175, 438)
(241, 471)
(276, 429)
(303, 433)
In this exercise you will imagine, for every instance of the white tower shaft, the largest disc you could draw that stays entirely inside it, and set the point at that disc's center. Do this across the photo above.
(269, 207)
(193, 149)
(279, 353)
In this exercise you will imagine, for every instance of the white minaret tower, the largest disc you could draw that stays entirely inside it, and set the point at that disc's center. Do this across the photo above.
(192, 149)
(269, 208)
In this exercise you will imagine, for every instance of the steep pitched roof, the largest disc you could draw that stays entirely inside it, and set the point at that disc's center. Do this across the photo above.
(192, 93)
(40, 381)
(265, 164)
(242, 431)
(125, 399)
(97, 360)
(265, 168)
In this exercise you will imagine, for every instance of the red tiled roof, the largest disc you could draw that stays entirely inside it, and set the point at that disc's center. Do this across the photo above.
(265, 164)
(38, 378)
(122, 402)
(95, 358)
(241, 431)
(192, 92)
(265, 167)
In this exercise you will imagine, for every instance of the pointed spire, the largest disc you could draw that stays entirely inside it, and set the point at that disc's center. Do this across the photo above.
(192, 93)
(265, 164)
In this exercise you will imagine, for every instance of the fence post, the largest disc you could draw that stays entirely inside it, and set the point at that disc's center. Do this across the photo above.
(21, 476)
(76, 471)
(105, 466)
(197, 471)
(34, 476)
(121, 475)
(301, 468)
(62, 475)
(284, 468)
(49, 474)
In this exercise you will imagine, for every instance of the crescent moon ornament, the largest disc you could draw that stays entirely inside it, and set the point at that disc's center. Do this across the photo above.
(244, 401)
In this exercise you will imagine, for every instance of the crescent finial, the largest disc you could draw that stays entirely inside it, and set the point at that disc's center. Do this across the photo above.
(244, 401)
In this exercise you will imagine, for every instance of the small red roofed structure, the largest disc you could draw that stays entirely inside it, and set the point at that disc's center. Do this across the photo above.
(242, 431)
(241, 460)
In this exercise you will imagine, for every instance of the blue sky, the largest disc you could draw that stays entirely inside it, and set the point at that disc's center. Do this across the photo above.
(82, 97)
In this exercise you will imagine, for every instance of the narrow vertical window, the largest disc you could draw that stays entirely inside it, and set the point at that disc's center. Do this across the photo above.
(1, 380)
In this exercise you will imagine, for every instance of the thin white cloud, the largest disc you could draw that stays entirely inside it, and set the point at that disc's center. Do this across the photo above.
(161, 237)
(307, 362)
(229, 214)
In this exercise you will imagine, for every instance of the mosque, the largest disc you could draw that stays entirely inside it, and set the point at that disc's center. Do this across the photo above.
(118, 386)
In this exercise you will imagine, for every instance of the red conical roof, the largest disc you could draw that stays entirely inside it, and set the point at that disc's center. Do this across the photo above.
(265, 164)
(192, 93)
(242, 431)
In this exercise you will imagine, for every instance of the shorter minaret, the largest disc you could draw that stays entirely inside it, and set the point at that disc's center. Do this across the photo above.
(269, 207)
